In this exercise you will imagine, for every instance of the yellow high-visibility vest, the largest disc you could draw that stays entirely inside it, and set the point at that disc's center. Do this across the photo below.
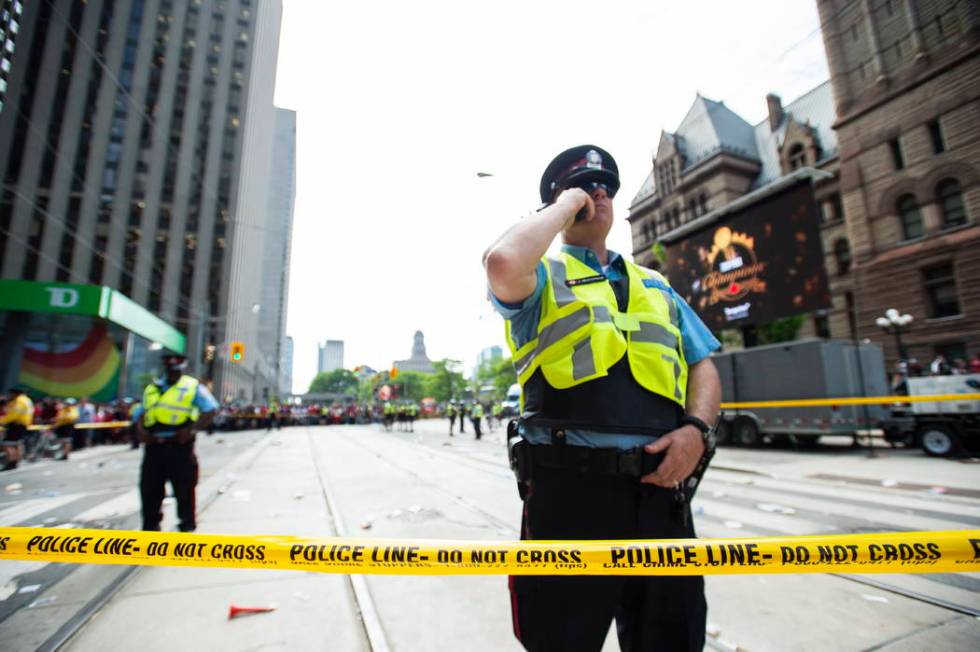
(582, 334)
(174, 407)
(19, 410)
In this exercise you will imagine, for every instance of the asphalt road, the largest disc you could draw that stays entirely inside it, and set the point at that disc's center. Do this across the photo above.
(427, 485)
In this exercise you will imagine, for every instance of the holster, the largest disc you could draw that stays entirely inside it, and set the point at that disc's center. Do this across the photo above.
(690, 485)
(519, 455)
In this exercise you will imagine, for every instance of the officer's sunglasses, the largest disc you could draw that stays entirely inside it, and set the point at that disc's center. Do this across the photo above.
(590, 187)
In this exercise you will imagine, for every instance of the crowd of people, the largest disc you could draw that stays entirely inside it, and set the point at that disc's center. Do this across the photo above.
(397, 415)
(18, 412)
(81, 423)
(939, 366)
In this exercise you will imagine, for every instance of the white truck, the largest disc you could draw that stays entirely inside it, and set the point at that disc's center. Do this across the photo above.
(941, 428)
(512, 402)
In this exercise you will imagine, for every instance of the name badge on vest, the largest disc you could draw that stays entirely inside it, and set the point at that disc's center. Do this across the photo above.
(598, 278)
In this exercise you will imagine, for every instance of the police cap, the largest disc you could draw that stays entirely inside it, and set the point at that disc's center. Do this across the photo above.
(578, 165)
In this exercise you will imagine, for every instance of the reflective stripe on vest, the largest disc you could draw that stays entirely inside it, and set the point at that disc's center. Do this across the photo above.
(582, 334)
(174, 407)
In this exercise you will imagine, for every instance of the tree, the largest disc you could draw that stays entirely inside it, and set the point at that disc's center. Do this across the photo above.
(780, 330)
(411, 385)
(498, 373)
(338, 381)
(445, 383)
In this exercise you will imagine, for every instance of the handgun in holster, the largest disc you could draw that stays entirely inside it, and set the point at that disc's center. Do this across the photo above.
(519, 456)
(685, 493)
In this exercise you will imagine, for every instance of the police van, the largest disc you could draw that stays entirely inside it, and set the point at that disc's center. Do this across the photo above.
(512, 402)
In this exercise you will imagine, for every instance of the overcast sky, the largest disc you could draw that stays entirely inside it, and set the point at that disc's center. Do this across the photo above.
(400, 104)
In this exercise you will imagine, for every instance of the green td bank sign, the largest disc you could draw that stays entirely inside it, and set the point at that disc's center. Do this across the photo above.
(93, 300)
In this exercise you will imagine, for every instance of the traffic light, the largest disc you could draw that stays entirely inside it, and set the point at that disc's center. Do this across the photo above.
(394, 373)
(237, 352)
(209, 352)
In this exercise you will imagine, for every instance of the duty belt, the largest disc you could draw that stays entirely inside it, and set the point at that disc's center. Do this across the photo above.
(634, 463)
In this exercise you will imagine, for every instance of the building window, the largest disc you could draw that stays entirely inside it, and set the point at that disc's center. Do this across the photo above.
(898, 159)
(941, 287)
(692, 206)
(851, 314)
(797, 156)
(832, 209)
(951, 202)
(842, 252)
(703, 200)
(821, 324)
(936, 134)
(908, 212)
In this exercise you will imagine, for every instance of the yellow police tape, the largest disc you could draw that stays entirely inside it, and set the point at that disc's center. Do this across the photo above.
(904, 552)
(85, 426)
(853, 400)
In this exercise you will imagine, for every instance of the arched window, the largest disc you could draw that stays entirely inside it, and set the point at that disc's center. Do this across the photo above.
(951, 203)
(797, 156)
(908, 213)
(842, 252)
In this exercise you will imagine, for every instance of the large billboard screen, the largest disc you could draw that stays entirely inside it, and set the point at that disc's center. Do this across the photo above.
(760, 263)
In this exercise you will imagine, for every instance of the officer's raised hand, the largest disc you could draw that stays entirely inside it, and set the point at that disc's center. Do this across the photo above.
(684, 448)
(576, 199)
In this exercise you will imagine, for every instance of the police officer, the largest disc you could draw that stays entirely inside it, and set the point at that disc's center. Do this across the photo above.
(617, 390)
(475, 415)
(413, 414)
(166, 423)
(451, 413)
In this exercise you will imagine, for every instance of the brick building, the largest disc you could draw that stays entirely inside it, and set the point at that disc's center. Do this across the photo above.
(906, 84)
(716, 162)
(892, 144)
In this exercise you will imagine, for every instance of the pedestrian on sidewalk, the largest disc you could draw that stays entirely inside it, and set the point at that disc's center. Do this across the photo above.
(451, 413)
(175, 407)
(618, 390)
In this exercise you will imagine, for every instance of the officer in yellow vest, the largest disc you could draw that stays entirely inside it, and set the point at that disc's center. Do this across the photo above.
(451, 414)
(475, 415)
(174, 408)
(389, 414)
(617, 391)
(412, 413)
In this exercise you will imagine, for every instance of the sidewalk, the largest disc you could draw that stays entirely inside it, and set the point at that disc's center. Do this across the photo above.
(187, 608)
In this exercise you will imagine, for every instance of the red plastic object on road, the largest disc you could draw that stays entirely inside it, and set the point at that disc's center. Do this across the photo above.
(235, 612)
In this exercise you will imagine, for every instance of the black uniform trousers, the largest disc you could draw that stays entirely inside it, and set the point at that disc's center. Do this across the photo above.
(177, 464)
(574, 613)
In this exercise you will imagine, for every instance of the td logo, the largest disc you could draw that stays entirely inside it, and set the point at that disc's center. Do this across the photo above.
(62, 297)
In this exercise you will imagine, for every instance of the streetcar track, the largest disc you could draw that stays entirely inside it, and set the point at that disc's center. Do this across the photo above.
(70, 628)
(495, 520)
(710, 481)
(755, 529)
(364, 607)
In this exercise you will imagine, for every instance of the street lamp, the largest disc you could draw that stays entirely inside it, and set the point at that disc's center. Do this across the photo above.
(895, 324)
